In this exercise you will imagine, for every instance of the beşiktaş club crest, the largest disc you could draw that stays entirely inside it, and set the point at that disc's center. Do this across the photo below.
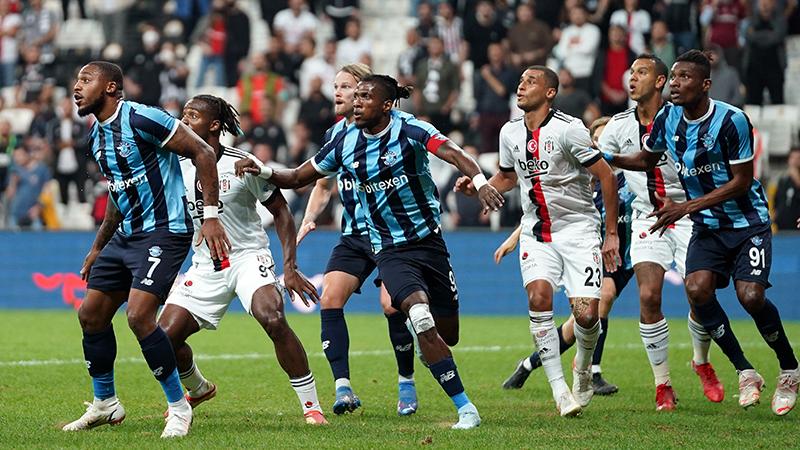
(548, 146)
(224, 184)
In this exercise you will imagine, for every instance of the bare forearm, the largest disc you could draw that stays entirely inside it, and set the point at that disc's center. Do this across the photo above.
(637, 162)
(284, 227)
(317, 201)
(206, 163)
(288, 179)
(727, 191)
(608, 185)
(503, 182)
(111, 222)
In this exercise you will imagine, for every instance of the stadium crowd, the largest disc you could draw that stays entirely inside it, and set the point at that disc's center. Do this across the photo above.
(464, 58)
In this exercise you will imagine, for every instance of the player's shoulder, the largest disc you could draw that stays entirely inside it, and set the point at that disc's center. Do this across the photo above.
(513, 126)
(336, 128)
(628, 114)
(727, 110)
(559, 117)
(232, 154)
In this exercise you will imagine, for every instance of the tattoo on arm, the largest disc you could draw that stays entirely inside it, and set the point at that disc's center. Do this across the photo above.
(111, 222)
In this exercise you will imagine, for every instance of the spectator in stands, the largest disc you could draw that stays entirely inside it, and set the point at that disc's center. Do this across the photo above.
(8, 143)
(636, 22)
(426, 22)
(39, 29)
(660, 43)
(721, 19)
(494, 85)
(316, 111)
(355, 46)
(437, 82)
(302, 147)
(481, 30)
(146, 68)
(726, 86)
(530, 40)
(549, 12)
(410, 57)
(577, 47)
(68, 136)
(9, 54)
(188, 11)
(174, 74)
(339, 11)
(213, 36)
(266, 128)
(612, 65)
(786, 203)
(270, 9)
(765, 54)
(36, 83)
(317, 66)
(450, 28)
(463, 211)
(295, 22)
(282, 61)
(675, 14)
(573, 101)
(28, 177)
(81, 8)
(257, 85)
(237, 46)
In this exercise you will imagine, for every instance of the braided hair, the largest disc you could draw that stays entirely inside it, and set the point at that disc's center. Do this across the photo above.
(389, 86)
(223, 111)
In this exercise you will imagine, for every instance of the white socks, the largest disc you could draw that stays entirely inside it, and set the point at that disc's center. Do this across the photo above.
(342, 382)
(655, 337)
(544, 333)
(701, 341)
(585, 340)
(194, 382)
(306, 389)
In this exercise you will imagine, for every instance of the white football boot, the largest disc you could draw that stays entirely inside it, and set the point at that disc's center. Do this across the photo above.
(567, 406)
(99, 412)
(582, 388)
(750, 386)
(178, 422)
(786, 393)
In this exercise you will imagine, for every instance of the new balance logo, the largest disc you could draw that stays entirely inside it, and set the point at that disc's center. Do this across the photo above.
(447, 376)
(325, 345)
(772, 337)
(147, 282)
(719, 332)
(158, 371)
(403, 348)
(755, 272)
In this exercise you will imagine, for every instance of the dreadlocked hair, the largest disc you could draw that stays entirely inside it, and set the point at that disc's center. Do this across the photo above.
(223, 111)
(391, 89)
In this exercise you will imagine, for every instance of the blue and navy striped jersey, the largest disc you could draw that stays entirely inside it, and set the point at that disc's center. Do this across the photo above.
(391, 177)
(704, 151)
(353, 221)
(144, 179)
(624, 217)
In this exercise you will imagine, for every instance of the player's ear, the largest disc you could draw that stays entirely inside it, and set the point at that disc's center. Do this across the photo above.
(215, 126)
(111, 88)
(707, 85)
(551, 93)
(387, 106)
(661, 81)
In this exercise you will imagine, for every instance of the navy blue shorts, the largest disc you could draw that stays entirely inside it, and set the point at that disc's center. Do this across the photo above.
(353, 255)
(145, 261)
(420, 266)
(744, 254)
(620, 276)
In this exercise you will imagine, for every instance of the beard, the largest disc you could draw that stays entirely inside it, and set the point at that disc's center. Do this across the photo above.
(91, 108)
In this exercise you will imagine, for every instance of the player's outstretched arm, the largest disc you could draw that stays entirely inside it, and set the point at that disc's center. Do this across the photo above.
(294, 281)
(508, 245)
(317, 201)
(608, 185)
(503, 181)
(455, 155)
(642, 161)
(111, 222)
(282, 178)
(186, 143)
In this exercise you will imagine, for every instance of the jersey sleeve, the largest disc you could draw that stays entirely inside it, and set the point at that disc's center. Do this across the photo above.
(261, 189)
(740, 139)
(608, 138)
(423, 135)
(154, 125)
(506, 152)
(657, 142)
(578, 143)
(327, 160)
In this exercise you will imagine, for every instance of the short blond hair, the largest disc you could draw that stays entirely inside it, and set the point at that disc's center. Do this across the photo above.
(601, 122)
(357, 70)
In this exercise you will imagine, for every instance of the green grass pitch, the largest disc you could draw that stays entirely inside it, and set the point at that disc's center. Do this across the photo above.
(43, 383)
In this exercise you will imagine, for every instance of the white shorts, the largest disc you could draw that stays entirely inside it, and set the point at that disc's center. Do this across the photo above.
(575, 264)
(206, 294)
(662, 250)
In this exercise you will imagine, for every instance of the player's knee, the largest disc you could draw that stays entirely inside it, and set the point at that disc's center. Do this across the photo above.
(421, 318)
(90, 322)
(588, 318)
(141, 323)
(752, 298)
(697, 292)
(271, 317)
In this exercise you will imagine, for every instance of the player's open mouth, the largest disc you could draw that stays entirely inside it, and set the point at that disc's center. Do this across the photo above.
(78, 99)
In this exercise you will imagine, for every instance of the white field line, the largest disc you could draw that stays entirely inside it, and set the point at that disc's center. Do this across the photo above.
(630, 346)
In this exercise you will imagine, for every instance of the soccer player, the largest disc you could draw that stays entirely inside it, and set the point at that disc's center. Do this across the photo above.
(350, 264)
(711, 143)
(613, 284)
(550, 154)
(143, 240)
(209, 286)
(653, 254)
(385, 153)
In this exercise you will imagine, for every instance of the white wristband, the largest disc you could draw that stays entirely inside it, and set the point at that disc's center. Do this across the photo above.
(479, 181)
(266, 172)
(210, 212)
